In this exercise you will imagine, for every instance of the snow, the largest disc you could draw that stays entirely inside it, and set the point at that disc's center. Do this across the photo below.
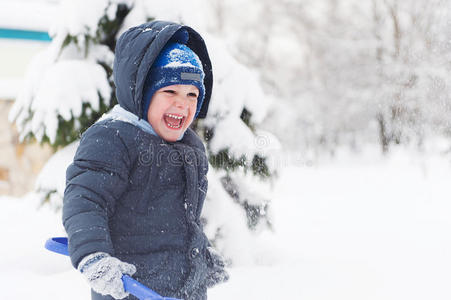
(191, 13)
(361, 227)
(235, 231)
(27, 15)
(74, 19)
(235, 88)
(51, 181)
(87, 81)
(58, 89)
(58, 95)
(235, 136)
(28, 271)
(180, 55)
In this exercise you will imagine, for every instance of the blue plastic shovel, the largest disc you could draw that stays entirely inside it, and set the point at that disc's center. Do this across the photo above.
(59, 245)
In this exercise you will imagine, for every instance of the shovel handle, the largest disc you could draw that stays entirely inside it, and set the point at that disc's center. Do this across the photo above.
(137, 289)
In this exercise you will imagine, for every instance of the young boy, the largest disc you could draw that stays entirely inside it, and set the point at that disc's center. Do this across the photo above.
(135, 190)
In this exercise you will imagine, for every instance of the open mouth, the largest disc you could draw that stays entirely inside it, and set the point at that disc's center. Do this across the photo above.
(174, 121)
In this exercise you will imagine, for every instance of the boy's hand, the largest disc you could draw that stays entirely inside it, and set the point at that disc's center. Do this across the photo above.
(104, 274)
(217, 273)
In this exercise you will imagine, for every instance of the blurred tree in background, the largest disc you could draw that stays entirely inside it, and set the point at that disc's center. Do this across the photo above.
(347, 73)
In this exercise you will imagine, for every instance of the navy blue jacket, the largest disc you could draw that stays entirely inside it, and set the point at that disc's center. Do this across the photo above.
(135, 196)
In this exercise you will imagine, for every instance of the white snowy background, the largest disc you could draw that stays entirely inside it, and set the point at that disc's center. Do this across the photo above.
(349, 222)
(361, 228)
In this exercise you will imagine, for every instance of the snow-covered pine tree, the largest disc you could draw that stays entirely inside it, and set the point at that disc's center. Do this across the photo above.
(69, 86)
(240, 155)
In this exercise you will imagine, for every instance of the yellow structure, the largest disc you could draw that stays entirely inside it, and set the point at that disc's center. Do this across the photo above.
(19, 163)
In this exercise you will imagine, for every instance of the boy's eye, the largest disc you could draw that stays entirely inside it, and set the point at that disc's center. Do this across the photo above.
(169, 91)
(192, 95)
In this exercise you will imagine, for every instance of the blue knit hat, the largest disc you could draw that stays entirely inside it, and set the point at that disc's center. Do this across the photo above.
(176, 64)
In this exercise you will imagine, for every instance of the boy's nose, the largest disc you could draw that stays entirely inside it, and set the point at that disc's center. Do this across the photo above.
(181, 102)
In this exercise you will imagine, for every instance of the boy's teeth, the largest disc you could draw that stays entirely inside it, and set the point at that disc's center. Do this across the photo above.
(173, 126)
(174, 116)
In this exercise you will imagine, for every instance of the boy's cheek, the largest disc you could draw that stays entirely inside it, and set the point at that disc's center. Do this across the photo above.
(189, 121)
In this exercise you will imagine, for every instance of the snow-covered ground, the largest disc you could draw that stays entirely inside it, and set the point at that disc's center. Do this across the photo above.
(360, 228)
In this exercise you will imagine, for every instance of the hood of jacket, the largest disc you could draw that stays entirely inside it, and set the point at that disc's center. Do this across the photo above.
(137, 49)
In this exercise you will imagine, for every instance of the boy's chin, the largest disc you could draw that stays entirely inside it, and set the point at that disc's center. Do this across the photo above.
(171, 136)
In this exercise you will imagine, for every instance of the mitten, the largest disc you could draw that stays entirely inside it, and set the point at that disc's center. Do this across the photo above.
(104, 274)
(217, 272)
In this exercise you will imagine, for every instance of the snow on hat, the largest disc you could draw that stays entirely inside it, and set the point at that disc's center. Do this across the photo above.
(176, 64)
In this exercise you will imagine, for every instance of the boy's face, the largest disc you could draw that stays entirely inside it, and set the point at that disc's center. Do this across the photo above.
(172, 109)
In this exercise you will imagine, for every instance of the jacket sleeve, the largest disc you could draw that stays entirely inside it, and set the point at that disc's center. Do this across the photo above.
(94, 182)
